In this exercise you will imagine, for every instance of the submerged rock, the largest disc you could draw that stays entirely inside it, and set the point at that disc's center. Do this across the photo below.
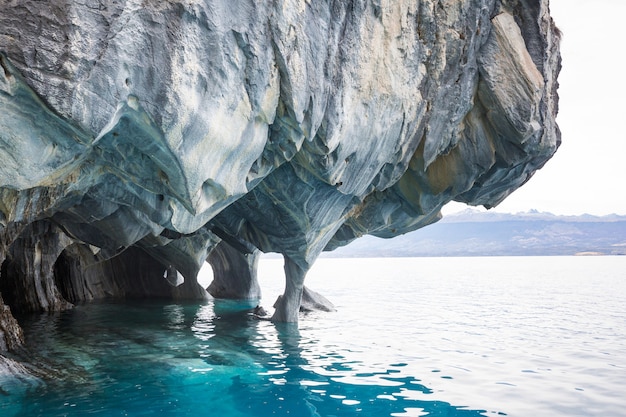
(15, 380)
(135, 138)
(313, 301)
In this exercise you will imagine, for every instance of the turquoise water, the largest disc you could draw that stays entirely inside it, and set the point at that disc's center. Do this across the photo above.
(411, 337)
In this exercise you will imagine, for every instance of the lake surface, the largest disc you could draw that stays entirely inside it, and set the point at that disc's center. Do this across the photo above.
(515, 336)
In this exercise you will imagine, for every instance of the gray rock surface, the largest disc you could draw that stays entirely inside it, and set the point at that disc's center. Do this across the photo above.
(16, 380)
(137, 133)
(309, 301)
(314, 301)
(11, 335)
(234, 273)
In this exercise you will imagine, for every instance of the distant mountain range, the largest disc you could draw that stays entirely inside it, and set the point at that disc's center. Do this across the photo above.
(475, 233)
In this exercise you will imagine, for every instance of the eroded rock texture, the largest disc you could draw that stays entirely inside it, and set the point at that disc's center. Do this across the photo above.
(137, 137)
(234, 273)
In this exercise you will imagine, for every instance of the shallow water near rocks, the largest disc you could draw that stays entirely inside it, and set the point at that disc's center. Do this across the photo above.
(411, 337)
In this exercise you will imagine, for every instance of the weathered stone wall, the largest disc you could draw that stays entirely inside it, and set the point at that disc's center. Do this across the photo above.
(27, 274)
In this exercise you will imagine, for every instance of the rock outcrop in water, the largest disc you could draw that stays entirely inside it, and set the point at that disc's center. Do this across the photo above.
(139, 138)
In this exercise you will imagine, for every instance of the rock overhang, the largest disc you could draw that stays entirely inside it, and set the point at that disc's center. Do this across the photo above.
(291, 127)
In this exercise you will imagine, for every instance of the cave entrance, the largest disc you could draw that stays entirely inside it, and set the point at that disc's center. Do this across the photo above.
(63, 277)
(8, 284)
(205, 276)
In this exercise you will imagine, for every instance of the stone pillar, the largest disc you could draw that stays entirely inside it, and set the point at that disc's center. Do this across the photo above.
(190, 290)
(234, 273)
(288, 305)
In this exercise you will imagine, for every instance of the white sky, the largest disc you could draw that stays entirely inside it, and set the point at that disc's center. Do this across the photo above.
(588, 172)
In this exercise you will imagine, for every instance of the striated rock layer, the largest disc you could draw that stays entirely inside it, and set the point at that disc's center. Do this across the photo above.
(138, 139)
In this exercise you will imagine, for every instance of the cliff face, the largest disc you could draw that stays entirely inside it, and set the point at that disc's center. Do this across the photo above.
(150, 133)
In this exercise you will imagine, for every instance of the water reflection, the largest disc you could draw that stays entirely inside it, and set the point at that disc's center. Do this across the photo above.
(182, 359)
(316, 383)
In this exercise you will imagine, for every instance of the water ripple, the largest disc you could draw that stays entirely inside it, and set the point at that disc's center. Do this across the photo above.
(471, 338)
